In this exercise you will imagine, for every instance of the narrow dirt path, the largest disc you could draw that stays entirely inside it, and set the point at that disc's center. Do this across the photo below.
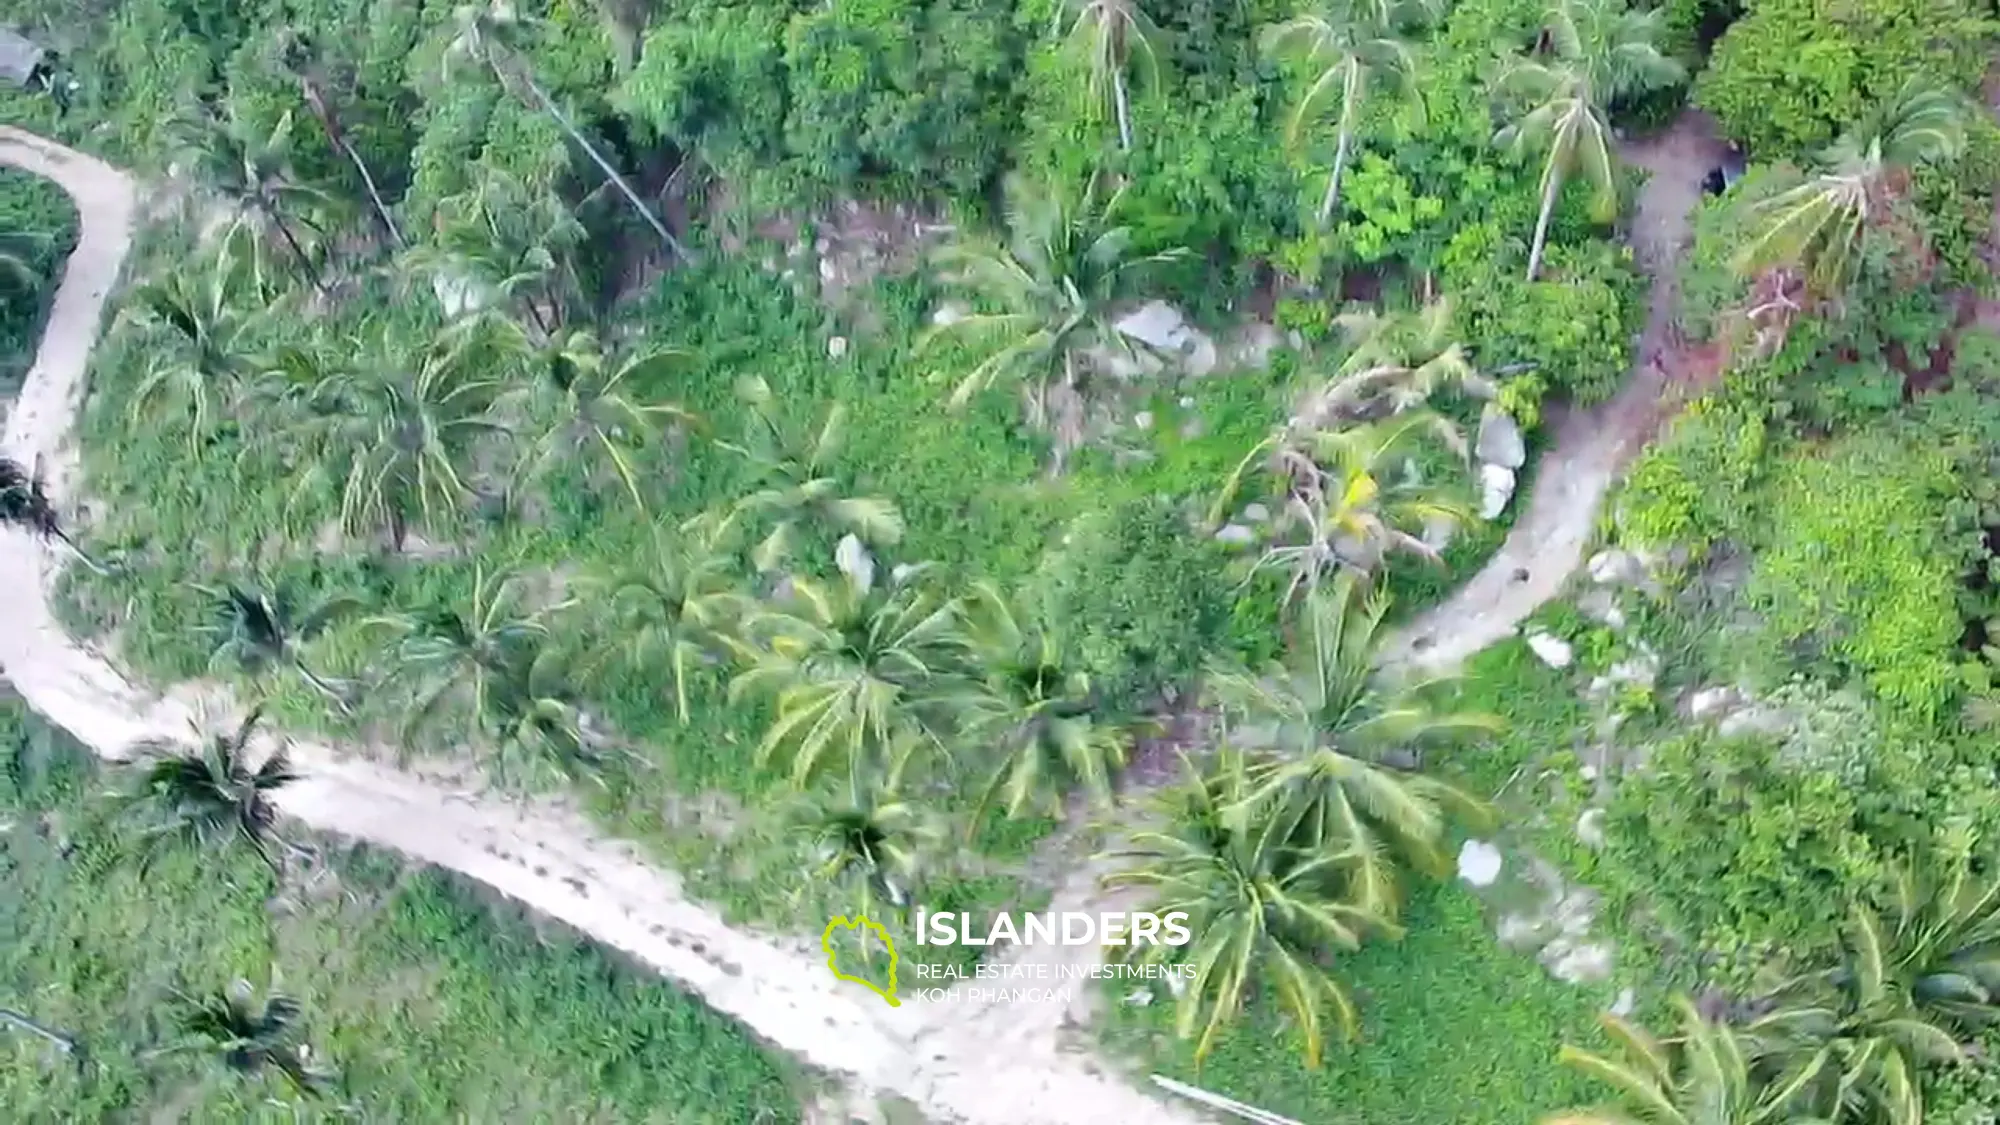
(941, 1058)
(1591, 446)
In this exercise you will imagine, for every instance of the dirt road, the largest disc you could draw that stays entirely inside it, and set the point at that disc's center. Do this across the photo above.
(938, 1056)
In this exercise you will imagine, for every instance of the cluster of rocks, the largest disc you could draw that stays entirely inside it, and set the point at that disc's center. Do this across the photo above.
(1555, 922)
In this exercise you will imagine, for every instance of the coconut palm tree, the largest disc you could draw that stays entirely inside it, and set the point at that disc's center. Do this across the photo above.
(867, 833)
(853, 671)
(667, 607)
(297, 57)
(502, 238)
(1817, 225)
(592, 404)
(1399, 361)
(212, 796)
(1603, 52)
(533, 721)
(25, 503)
(1336, 784)
(1032, 711)
(204, 320)
(1705, 1076)
(399, 426)
(1262, 909)
(1054, 285)
(251, 169)
(1354, 493)
(252, 1034)
(475, 657)
(1347, 46)
(1111, 37)
(259, 632)
(494, 33)
(793, 481)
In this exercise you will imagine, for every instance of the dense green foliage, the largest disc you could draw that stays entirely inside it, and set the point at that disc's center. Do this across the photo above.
(37, 229)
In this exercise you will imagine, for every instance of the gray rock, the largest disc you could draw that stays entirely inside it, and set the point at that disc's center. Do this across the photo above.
(1627, 1001)
(1161, 326)
(854, 561)
(1590, 828)
(1710, 702)
(1496, 487)
(1479, 863)
(1236, 535)
(1143, 420)
(1578, 962)
(1602, 607)
(1616, 568)
(827, 270)
(836, 348)
(1187, 402)
(950, 313)
(1499, 441)
(1553, 651)
(1438, 532)
(1256, 513)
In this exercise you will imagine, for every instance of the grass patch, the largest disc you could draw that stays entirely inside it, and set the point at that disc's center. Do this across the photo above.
(1455, 1028)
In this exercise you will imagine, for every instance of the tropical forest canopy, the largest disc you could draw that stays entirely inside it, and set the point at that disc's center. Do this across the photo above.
(896, 441)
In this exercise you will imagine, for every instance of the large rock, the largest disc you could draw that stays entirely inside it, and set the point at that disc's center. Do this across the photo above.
(854, 561)
(1553, 651)
(1161, 327)
(1499, 441)
(1236, 535)
(1479, 863)
(1496, 487)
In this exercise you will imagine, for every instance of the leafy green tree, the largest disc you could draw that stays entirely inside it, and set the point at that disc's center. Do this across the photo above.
(494, 33)
(1336, 726)
(1705, 1076)
(793, 482)
(1054, 285)
(299, 58)
(252, 1034)
(592, 404)
(1401, 360)
(668, 606)
(1817, 225)
(399, 427)
(259, 632)
(251, 169)
(1347, 489)
(1348, 46)
(1111, 38)
(1603, 52)
(211, 797)
(853, 671)
(1033, 710)
(1263, 910)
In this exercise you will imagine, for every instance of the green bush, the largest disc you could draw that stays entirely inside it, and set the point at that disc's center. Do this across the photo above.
(1689, 488)
(37, 231)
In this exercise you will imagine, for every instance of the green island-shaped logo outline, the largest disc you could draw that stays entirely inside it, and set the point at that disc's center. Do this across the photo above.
(843, 922)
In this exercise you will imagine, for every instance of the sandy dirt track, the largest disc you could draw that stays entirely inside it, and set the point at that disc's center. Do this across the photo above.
(942, 1057)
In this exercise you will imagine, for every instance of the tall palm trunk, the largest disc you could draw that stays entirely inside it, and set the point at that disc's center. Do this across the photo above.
(1551, 188)
(618, 180)
(1332, 198)
(1120, 97)
(292, 243)
(323, 110)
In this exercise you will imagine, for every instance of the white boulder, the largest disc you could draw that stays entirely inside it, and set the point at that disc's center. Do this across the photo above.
(854, 561)
(1553, 651)
(1161, 327)
(1236, 535)
(836, 347)
(1479, 863)
(1499, 441)
(1496, 487)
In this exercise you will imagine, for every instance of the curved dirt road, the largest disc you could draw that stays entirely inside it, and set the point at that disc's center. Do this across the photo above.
(944, 1058)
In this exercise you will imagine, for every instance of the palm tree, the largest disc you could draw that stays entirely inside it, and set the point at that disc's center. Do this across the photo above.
(1604, 52)
(1818, 224)
(1033, 711)
(25, 503)
(532, 718)
(492, 33)
(669, 605)
(1339, 487)
(258, 632)
(399, 427)
(298, 57)
(1707, 1076)
(591, 403)
(1348, 45)
(503, 238)
(213, 796)
(1055, 283)
(1111, 36)
(792, 478)
(869, 832)
(1261, 909)
(204, 321)
(853, 670)
(1399, 361)
(1336, 726)
(475, 657)
(251, 1034)
(252, 170)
